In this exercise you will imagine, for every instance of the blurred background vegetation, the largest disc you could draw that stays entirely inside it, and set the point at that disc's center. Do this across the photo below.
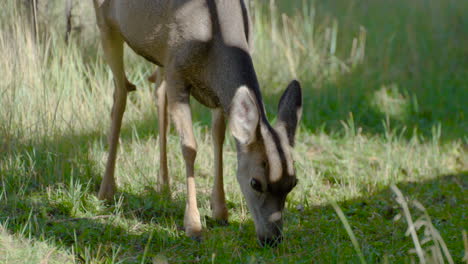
(385, 102)
(405, 61)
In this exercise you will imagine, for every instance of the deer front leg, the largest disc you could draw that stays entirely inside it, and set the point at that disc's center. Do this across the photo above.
(218, 200)
(112, 44)
(163, 184)
(179, 108)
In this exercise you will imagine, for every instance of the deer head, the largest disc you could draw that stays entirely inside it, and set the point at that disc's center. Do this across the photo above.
(265, 167)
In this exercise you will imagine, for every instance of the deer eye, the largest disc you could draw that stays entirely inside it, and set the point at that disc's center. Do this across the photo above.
(256, 185)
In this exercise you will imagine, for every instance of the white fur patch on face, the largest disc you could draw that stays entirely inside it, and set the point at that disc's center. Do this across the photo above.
(274, 160)
(275, 217)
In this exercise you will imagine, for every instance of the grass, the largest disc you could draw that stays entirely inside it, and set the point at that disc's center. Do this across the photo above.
(384, 84)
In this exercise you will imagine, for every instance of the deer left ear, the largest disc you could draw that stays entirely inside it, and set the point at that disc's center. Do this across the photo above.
(244, 116)
(290, 109)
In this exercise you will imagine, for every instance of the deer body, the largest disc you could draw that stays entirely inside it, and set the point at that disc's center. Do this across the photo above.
(203, 46)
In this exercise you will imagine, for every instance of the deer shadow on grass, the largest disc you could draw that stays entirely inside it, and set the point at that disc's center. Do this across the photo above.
(372, 219)
(150, 220)
(65, 162)
(137, 228)
(59, 171)
(147, 220)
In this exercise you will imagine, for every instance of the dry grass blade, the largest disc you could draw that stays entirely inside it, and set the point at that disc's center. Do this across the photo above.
(80, 218)
(350, 232)
(400, 199)
(437, 250)
(465, 243)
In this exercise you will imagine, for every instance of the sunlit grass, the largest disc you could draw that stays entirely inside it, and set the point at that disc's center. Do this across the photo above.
(16, 249)
(375, 115)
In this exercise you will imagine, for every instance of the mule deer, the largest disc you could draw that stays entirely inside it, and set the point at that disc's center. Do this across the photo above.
(203, 46)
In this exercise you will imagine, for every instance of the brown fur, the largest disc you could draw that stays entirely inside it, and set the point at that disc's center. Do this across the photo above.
(204, 47)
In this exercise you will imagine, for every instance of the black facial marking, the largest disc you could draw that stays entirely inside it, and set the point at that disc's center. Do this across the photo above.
(284, 186)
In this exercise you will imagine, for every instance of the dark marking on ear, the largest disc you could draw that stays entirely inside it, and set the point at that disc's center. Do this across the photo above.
(289, 108)
(245, 18)
(283, 187)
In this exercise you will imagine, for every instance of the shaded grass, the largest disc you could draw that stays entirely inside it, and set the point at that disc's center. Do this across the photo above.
(391, 111)
(63, 210)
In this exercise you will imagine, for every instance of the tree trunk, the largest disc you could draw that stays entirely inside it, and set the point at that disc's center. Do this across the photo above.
(68, 15)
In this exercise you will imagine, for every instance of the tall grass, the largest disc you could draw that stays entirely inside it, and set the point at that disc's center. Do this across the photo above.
(300, 47)
(50, 87)
(70, 84)
(375, 114)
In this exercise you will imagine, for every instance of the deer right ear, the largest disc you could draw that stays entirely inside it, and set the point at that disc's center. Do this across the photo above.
(290, 109)
(243, 116)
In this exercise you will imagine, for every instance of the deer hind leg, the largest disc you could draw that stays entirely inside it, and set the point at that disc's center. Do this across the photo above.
(179, 107)
(163, 184)
(218, 200)
(112, 44)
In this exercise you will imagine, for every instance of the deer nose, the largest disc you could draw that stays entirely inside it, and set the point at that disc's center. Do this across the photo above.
(270, 241)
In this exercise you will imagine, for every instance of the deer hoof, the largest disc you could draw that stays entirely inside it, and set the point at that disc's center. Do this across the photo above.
(196, 238)
(194, 234)
(212, 222)
(106, 195)
(222, 222)
(163, 189)
(219, 213)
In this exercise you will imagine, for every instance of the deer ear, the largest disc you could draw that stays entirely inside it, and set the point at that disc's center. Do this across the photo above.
(290, 109)
(243, 116)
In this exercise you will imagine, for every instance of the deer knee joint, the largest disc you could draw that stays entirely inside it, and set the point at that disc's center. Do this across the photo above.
(189, 153)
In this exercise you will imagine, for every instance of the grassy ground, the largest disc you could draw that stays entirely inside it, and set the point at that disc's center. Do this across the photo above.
(385, 86)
